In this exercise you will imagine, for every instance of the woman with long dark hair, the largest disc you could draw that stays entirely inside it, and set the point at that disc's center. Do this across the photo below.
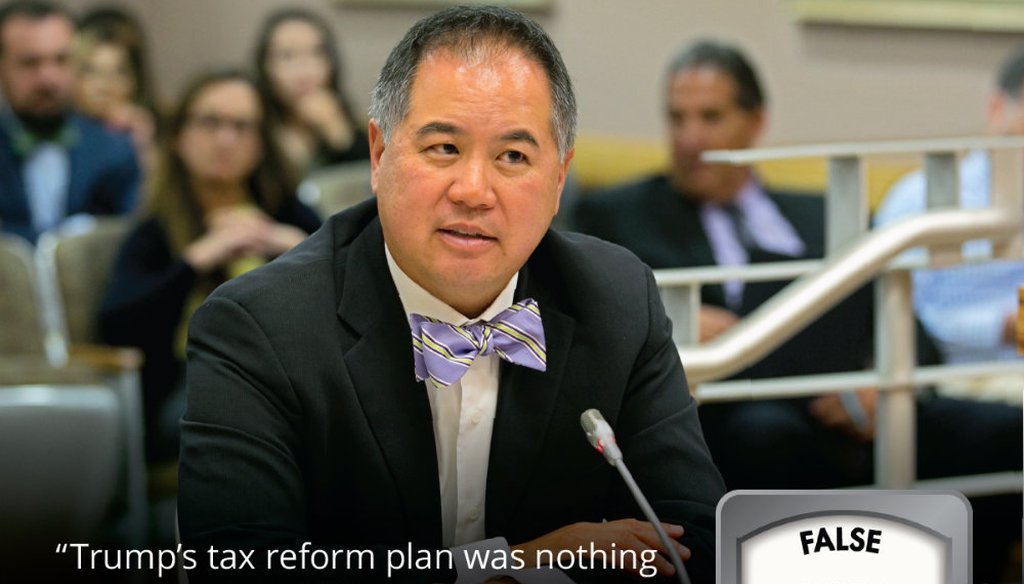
(299, 73)
(221, 201)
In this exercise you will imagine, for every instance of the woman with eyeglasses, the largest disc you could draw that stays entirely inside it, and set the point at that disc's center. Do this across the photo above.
(299, 73)
(221, 202)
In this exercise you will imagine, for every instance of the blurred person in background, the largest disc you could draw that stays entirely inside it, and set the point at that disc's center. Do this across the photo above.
(131, 34)
(971, 309)
(54, 164)
(221, 202)
(704, 214)
(299, 73)
(108, 88)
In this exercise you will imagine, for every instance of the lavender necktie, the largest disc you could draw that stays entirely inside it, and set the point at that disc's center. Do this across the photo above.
(443, 352)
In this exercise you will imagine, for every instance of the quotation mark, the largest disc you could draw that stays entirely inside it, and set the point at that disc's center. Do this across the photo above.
(61, 548)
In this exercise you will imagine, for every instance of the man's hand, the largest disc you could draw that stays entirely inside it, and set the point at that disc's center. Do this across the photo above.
(232, 233)
(831, 412)
(713, 321)
(135, 120)
(626, 534)
(321, 112)
(237, 232)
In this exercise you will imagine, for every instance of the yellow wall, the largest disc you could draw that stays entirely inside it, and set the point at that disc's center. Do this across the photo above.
(605, 161)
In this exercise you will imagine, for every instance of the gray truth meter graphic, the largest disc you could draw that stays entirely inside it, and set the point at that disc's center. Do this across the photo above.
(844, 537)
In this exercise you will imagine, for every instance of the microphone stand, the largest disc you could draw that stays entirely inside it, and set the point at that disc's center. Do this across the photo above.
(681, 574)
(602, 438)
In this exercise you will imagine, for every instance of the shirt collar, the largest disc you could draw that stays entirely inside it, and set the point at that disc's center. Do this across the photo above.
(768, 226)
(748, 195)
(416, 300)
(25, 142)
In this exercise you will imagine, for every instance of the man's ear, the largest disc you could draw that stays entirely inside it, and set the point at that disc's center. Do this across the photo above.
(761, 120)
(376, 138)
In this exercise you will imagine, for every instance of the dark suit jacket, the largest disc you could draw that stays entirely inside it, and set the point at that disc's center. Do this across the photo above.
(305, 421)
(661, 226)
(104, 177)
(147, 292)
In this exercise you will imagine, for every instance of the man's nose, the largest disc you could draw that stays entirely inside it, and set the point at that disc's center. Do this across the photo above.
(53, 74)
(472, 184)
(691, 138)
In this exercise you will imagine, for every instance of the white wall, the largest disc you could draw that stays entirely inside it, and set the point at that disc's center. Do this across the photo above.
(825, 83)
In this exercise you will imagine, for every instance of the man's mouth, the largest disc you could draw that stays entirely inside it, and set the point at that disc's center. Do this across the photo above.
(466, 233)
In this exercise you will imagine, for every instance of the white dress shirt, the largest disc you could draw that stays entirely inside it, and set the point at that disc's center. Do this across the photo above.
(463, 414)
(763, 220)
(962, 307)
(46, 174)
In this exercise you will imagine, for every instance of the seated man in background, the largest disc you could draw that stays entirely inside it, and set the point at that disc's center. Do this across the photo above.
(353, 393)
(53, 163)
(703, 214)
(971, 310)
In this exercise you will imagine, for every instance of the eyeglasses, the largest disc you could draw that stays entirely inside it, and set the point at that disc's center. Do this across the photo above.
(212, 123)
(290, 56)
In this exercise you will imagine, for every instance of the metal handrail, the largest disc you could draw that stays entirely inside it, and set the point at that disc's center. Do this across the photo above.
(809, 297)
(822, 383)
(766, 271)
(860, 149)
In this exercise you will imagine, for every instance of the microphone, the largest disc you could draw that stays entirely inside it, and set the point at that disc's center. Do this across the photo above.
(600, 435)
(602, 438)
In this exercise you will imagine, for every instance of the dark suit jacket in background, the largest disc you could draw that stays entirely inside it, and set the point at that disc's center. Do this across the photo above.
(305, 421)
(777, 443)
(654, 221)
(104, 177)
(762, 444)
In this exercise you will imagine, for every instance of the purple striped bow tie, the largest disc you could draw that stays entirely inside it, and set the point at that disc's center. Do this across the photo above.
(443, 352)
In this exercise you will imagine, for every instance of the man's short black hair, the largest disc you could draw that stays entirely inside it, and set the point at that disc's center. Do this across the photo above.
(728, 59)
(464, 29)
(1011, 74)
(33, 10)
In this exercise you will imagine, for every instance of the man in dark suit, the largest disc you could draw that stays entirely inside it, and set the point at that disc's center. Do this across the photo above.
(702, 214)
(320, 405)
(710, 214)
(53, 164)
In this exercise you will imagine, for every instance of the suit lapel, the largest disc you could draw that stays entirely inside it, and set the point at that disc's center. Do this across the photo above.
(526, 402)
(13, 199)
(671, 223)
(806, 214)
(696, 249)
(380, 364)
(79, 169)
